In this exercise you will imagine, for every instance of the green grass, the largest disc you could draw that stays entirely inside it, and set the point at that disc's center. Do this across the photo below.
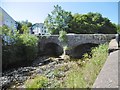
(84, 73)
(37, 82)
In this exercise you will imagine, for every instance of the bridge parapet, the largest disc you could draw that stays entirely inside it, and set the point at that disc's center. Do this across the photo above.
(76, 39)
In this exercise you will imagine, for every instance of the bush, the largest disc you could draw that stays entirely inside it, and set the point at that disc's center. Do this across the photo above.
(28, 43)
(38, 82)
(21, 47)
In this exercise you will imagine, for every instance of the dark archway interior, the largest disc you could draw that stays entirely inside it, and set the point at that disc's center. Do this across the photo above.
(80, 50)
(52, 49)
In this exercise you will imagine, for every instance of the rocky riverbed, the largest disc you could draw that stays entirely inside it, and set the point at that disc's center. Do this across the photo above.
(48, 66)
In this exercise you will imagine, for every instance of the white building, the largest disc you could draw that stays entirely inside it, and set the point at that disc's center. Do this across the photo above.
(38, 29)
(6, 19)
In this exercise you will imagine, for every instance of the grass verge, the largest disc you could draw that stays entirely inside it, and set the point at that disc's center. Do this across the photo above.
(84, 73)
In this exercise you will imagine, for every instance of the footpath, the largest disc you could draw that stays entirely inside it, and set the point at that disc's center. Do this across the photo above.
(108, 76)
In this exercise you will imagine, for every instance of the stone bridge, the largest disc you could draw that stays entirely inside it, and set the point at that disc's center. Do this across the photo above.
(77, 43)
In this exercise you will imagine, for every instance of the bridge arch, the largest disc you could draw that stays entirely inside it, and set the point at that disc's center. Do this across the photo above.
(52, 44)
(52, 49)
(79, 50)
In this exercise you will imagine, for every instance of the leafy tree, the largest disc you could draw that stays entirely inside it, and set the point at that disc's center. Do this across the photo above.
(62, 22)
(28, 44)
(22, 46)
(24, 26)
(58, 20)
(91, 23)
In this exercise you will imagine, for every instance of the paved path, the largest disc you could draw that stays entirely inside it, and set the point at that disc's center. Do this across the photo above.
(108, 76)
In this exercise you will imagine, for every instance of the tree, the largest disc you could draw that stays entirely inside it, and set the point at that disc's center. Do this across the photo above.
(91, 23)
(58, 20)
(23, 26)
(22, 46)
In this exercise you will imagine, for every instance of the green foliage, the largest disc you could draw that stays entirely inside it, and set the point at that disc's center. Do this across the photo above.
(8, 33)
(79, 73)
(24, 26)
(75, 80)
(62, 36)
(38, 82)
(56, 73)
(58, 20)
(28, 40)
(25, 29)
(4, 30)
(28, 43)
(22, 47)
(91, 23)
(63, 39)
(85, 75)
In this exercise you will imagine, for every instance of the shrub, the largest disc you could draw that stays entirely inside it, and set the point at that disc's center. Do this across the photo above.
(28, 40)
(21, 47)
(38, 82)
(28, 43)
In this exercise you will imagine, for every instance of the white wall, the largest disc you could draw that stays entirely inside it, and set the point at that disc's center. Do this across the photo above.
(39, 28)
(6, 19)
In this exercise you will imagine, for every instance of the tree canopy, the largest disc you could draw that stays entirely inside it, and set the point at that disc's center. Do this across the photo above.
(24, 26)
(58, 20)
(90, 23)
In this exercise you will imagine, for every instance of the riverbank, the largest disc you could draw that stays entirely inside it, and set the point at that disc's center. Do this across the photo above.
(73, 73)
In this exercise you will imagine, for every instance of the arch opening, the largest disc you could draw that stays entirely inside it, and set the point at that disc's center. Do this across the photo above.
(52, 49)
(80, 50)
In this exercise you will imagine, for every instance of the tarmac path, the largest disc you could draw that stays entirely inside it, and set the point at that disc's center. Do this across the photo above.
(108, 76)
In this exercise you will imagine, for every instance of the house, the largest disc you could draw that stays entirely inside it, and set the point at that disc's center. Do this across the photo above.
(38, 29)
(6, 19)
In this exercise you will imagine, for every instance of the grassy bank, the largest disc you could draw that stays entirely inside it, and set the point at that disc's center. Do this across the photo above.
(84, 73)
(78, 73)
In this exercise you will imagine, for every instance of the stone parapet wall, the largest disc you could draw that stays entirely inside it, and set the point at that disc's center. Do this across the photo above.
(74, 41)
(77, 39)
